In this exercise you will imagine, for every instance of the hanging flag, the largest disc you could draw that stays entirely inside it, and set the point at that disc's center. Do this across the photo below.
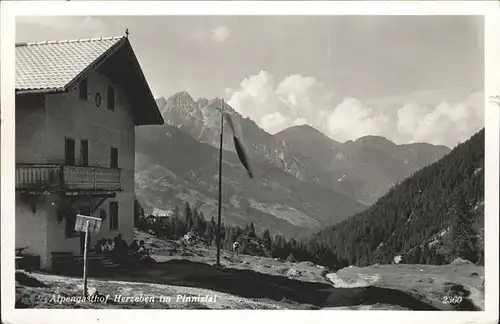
(240, 150)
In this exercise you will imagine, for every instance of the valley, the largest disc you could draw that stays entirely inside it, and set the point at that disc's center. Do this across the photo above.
(298, 188)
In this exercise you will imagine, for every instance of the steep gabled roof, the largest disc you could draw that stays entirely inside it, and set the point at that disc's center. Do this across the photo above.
(52, 66)
(58, 66)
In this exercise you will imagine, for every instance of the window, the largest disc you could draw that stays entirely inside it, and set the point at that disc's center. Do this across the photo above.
(70, 224)
(84, 152)
(83, 90)
(102, 214)
(69, 151)
(114, 158)
(113, 216)
(111, 98)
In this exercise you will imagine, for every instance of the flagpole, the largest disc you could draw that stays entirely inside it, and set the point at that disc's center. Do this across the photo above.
(218, 237)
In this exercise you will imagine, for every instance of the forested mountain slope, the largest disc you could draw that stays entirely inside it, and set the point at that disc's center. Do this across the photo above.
(431, 217)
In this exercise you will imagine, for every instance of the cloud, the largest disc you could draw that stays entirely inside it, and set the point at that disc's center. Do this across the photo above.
(256, 97)
(446, 123)
(220, 34)
(275, 122)
(432, 116)
(351, 120)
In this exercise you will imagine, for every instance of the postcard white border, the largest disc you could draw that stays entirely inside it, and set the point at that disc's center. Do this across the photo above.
(9, 9)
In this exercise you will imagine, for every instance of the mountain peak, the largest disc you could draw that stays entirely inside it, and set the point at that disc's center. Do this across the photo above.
(373, 140)
(182, 96)
(303, 130)
(179, 108)
(183, 101)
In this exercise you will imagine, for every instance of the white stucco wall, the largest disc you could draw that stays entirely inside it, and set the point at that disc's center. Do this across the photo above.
(72, 117)
(30, 129)
(31, 230)
(40, 138)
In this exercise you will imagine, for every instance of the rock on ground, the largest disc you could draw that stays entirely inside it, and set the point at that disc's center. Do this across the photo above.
(460, 261)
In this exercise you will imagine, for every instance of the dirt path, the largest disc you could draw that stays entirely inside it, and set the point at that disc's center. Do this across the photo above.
(122, 294)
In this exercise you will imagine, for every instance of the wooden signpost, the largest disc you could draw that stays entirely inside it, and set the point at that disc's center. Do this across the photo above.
(89, 225)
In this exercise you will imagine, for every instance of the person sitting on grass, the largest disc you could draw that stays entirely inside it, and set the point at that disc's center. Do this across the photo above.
(133, 246)
(121, 248)
(142, 251)
(120, 244)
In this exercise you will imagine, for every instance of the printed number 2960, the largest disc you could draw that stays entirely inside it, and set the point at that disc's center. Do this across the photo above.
(452, 299)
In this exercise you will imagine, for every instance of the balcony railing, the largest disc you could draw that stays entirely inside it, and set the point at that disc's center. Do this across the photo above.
(65, 177)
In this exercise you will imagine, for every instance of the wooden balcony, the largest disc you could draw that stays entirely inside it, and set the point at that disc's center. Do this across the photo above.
(53, 177)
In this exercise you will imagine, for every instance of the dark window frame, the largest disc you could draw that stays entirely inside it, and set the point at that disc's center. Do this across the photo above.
(70, 221)
(111, 98)
(113, 216)
(66, 155)
(84, 154)
(113, 157)
(83, 89)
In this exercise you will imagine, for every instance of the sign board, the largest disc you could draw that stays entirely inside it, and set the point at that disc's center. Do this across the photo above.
(89, 225)
(81, 224)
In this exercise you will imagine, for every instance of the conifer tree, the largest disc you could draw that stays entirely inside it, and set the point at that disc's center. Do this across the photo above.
(188, 217)
(463, 233)
(209, 233)
(251, 230)
(266, 239)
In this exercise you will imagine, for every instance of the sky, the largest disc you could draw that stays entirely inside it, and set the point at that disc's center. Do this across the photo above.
(408, 78)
